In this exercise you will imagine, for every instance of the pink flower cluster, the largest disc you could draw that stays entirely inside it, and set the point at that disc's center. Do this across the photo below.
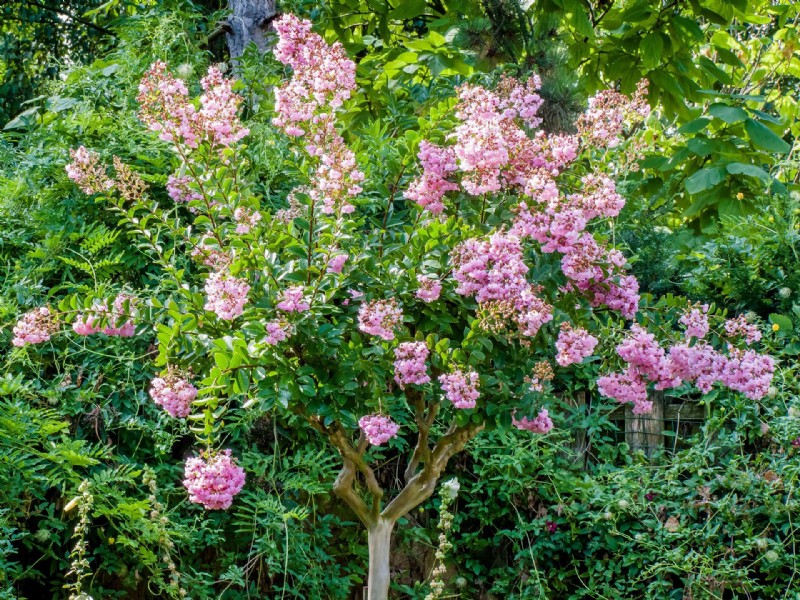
(119, 319)
(87, 172)
(323, 79)
(246, 219)
(180, 189)
(696, 321)
(167, 109)
(34, 327)
(493, 271)
(226, 295)
(740, 327)
(378, 428)
(573, 345)
(429, 289)
(277, 331)
(409, 364)
(559, 224)
(541, 424)
(293, 300)
(380, 317)
(602, 124)
(744, 371)
(461, 388)
(213, 479)
(438, 163)
(336, 263)
(174, 394)
(491, 148)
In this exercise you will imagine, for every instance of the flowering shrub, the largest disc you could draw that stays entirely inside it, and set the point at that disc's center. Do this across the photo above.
(451, 292)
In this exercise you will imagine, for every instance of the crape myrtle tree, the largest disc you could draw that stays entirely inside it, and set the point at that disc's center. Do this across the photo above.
(424, 306)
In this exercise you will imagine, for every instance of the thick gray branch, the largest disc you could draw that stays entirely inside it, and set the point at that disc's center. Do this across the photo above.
(248, 22)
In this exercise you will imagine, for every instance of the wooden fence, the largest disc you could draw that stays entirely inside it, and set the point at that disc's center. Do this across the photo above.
(671, 422)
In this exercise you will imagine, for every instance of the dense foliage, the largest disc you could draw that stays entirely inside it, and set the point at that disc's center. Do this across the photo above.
(711, 515)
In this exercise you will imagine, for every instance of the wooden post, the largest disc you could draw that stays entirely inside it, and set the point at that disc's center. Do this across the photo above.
(645, 431)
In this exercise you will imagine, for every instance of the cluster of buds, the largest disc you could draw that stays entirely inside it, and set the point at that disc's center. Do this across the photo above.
(449, 493)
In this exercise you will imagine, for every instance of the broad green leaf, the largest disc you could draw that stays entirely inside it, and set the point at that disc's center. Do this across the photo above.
(727, 113)
(737, 168)
(704, 179)
(764, 139)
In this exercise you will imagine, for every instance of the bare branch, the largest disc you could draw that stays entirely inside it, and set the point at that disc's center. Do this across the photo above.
(422, 485)
(421, 454)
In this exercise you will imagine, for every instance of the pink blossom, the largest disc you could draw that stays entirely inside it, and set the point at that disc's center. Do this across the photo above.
(118, 313)
(461, 388)
(573, 345)
(700, 364)
(541, 424)
(213, 479)
(246, 219)
(167, 109)
(323, 79)
(277, 331)
(645, 355)
(409, 364)
(174, 393)
(602, 124)
(493, 271)
(226, 295)
(625, 387)
(437, 163)
(293, 300)
(429, 289)
(748, 372)
(34, 327)
(84, 325)
(87, 172)
(380, 317)
(336, 263)
(180, 189)
(740, 327)
(696, 321)
(378, 428)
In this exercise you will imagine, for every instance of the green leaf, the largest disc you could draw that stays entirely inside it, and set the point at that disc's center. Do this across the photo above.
(408, 9)
(695, 125)
(784, 323)
(727, 113)
(737, 168)
(704, 179)
(701, 146)
(652, 50)
(764, 139)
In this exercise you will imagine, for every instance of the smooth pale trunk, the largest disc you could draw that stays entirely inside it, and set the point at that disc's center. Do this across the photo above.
(380, 540)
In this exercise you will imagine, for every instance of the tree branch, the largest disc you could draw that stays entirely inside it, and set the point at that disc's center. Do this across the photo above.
(353, 459)
(422, 485)
(421, 452)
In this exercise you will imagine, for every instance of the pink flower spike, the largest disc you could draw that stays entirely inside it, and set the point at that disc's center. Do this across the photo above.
(573, 345)
(174, 394)
(541, 424)
(213, 479)
(409, 364)
(461, 388)
(378, 428)
(34, 327)
(293, 300)
(379, 318)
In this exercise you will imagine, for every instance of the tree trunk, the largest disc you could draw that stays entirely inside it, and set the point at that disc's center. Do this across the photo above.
(380, 541)
(248, 22)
